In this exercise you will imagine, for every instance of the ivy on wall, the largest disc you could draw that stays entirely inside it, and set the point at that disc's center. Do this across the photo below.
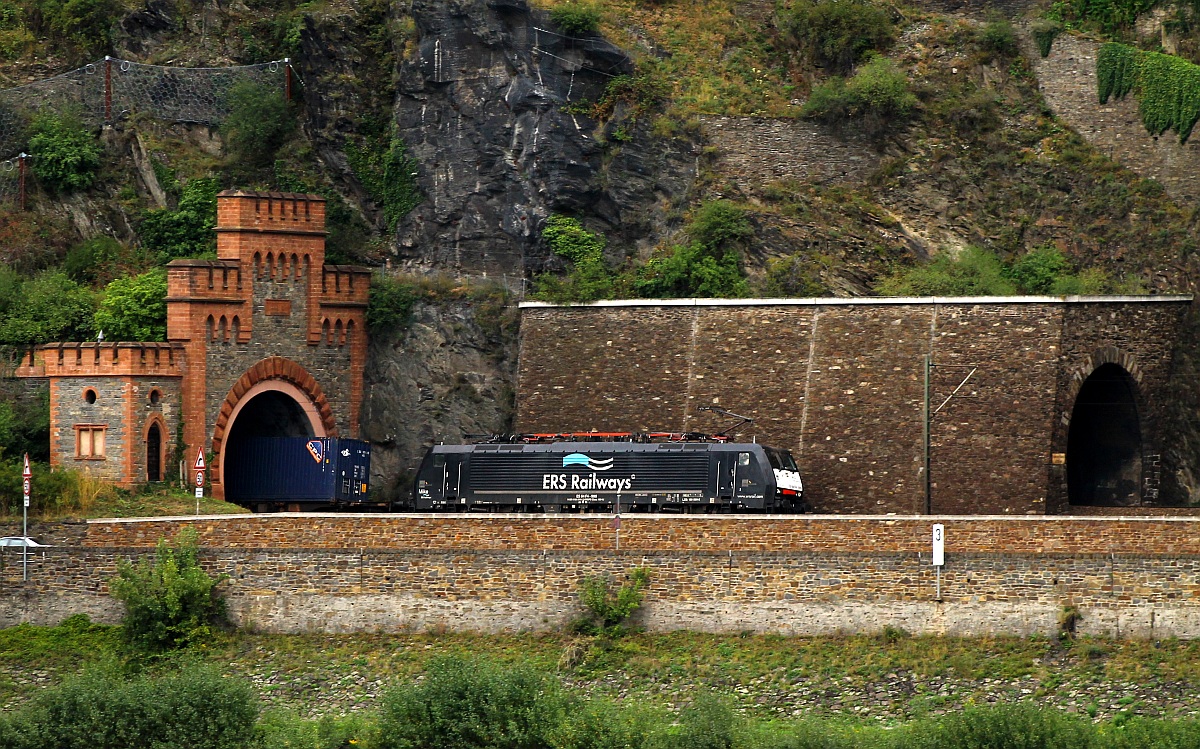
(1167, 87)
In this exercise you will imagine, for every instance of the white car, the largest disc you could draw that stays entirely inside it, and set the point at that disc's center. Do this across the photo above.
(21, 541)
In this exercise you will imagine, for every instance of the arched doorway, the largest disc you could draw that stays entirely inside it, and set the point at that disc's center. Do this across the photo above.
(1104, 443)
(272, 408)
(154, 453)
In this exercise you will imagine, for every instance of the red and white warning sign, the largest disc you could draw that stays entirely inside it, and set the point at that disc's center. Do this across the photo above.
(26, 480)
(200, 466)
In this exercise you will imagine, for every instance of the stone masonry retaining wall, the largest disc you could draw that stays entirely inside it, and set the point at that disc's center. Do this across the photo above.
(1136, 577)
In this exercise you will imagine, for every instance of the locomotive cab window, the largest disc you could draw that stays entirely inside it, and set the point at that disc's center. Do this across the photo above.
(782, 461)
(743, 459)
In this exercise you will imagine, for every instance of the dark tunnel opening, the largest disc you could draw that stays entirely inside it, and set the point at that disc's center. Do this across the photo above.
(1104, 444)
(268, 414)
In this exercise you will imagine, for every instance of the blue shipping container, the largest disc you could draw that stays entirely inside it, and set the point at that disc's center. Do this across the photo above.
(298, 469)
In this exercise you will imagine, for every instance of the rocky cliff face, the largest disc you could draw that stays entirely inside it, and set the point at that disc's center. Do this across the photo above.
(449, 375)
(481, 107)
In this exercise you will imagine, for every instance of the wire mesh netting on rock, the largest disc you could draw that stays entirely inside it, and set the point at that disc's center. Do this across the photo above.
(112, 89)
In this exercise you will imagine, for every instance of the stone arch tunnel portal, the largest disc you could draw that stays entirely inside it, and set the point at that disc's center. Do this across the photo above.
(1104, 443)
(272, 408)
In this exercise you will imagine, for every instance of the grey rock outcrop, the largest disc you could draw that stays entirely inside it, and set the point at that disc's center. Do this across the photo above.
(446, 378)
(481, 108)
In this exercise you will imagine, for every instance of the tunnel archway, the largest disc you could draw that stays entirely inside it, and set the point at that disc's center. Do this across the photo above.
(297, 408)
(1104, 442)
(272, 408)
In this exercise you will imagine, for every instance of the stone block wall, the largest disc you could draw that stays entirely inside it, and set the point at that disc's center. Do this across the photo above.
(758, 151)
(1067, 78)
(841, 383)
(789, 575)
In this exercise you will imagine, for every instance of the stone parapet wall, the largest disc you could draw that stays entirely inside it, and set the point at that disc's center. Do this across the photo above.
(816, 534)
(796, 591)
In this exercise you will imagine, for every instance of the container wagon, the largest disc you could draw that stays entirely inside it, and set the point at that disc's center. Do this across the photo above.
(274, 473)
(603, 476)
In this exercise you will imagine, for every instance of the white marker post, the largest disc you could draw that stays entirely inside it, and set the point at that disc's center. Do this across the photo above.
(26, 484)
(939, 554)
(200, 467)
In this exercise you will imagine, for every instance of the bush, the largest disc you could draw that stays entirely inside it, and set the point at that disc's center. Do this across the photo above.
(589, 278)
(135, 308)
(65, 153)
(258, 123)
(707, 723)
(1010, 727)
(875, 100)
(606, 611)
(87, 24)
(196, 708)
(1000, 38)
(1039, 270)
(94, 259)
(975, 272)
(389, 306)
(1044, 31)
(49, 308)
(576, 18)
(465, 704)
(837, 33)
(171, 602)
(188, 230)
(709, 266)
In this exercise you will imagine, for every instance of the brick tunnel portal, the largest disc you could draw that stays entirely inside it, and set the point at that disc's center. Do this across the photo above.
(270, 413)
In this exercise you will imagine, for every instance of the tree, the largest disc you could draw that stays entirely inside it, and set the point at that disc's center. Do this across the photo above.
(51, 307)
(134, 308)
(257, 124)
(188, 230)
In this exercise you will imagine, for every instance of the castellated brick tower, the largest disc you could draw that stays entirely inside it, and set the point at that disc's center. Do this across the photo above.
(266, 340)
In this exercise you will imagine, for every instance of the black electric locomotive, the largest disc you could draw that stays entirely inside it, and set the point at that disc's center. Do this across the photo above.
(576, 473)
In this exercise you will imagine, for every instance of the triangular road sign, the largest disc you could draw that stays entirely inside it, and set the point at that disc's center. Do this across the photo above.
(200, 460)
(26, 473)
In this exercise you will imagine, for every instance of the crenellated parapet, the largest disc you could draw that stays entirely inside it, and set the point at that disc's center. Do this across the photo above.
(98, 359)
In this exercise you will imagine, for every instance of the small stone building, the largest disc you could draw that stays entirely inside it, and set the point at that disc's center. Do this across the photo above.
(266, 340)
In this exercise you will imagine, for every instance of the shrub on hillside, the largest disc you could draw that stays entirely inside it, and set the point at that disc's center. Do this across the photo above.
(390, 304)
(606, 610)
(65, 154)
(836, 34)
(576, 18)
(710, 265)
(464, 704)
(875, 100)
(589, 277)
(196, 708)
(975, 272)
(258, 123)
(170, 602)
(999, 38)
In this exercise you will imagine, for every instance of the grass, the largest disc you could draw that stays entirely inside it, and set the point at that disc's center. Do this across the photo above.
(715, 54)
(893, 678)
(153, 500)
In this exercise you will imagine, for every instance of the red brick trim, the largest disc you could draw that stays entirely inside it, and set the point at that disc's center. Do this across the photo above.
(272, 368)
